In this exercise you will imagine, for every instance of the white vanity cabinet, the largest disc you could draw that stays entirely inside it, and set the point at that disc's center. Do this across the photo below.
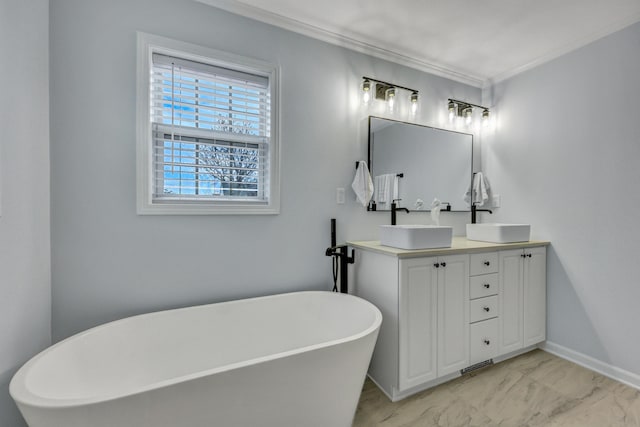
(445, 310)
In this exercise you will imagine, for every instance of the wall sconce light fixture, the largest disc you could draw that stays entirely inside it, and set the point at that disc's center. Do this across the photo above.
(387, 92)
(464, 110)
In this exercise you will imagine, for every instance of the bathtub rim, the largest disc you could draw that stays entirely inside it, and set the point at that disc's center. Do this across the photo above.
(23, 396)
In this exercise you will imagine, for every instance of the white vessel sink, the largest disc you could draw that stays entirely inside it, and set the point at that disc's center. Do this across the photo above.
(499, 233)
(416, 236)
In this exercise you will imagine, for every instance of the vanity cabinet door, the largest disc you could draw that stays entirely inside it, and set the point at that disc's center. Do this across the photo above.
(453, 313)
(417, 328)
(510, 301)
(523, 298)
(535, 295)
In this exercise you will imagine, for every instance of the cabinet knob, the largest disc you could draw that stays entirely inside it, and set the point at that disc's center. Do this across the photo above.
(444, 264)
(487, 309)
(529, 255)
(523, 255)
(487, 263)
(487, 286)
(436, 265)
(486, 342)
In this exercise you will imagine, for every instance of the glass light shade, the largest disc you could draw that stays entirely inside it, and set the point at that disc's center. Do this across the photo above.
(391, 99)
(452, 111)
(414, 102)
(366, 91)
(485, 117)
(468, 115)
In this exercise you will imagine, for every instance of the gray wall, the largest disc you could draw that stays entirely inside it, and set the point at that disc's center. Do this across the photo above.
(566, 158)
(25, 293)
(108, 262)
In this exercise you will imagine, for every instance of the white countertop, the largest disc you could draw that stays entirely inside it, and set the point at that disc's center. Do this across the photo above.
(458, 246)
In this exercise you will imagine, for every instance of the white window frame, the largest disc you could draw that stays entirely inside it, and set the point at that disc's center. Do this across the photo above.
(147, 45)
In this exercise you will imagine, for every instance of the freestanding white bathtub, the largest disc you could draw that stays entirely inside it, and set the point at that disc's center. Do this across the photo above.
(295, 359)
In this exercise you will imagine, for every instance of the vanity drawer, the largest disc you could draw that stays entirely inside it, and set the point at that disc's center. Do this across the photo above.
(483, 263)
(483, 308)
(483, 286)
(483, 341)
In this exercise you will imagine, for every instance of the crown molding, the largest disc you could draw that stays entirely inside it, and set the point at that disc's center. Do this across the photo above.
(341, 40)
(574, 45)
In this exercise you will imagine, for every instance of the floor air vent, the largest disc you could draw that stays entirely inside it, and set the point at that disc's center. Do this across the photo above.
(476, 366)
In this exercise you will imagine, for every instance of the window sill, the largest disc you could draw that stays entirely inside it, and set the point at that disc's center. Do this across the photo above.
(204, 208)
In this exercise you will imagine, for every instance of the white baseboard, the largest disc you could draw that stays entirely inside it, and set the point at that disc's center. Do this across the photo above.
(626, 377)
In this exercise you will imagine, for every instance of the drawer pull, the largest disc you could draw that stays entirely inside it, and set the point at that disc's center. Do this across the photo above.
(486, 342)
(487, 263)
(487, 309)
(486, 286)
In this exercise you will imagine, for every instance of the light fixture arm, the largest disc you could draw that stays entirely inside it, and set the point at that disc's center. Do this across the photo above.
(464, 104)
(390, 84)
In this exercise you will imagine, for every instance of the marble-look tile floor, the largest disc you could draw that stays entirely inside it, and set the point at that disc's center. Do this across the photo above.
(534, 389)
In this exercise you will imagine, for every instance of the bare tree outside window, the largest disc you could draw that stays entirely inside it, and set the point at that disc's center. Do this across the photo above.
(234, 164)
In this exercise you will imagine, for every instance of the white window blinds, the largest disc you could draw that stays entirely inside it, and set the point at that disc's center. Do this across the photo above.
(210, 130)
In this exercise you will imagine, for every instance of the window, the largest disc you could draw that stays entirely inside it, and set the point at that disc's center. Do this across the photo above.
(207, 137)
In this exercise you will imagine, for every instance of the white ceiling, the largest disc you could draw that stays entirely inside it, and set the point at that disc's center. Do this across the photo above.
(472, 41)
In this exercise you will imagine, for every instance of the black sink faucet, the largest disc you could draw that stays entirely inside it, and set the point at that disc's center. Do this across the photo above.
(474, 210)
(394, 208)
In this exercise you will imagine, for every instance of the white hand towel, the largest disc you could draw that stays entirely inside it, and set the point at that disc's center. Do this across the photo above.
(480, 190)
(378, 190)
(362, 184)
(382, 189)
(467, 195)
(483, 189)
(385, 189)
(394, 180)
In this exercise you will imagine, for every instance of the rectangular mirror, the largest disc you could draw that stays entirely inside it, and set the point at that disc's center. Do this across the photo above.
(434, 163)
